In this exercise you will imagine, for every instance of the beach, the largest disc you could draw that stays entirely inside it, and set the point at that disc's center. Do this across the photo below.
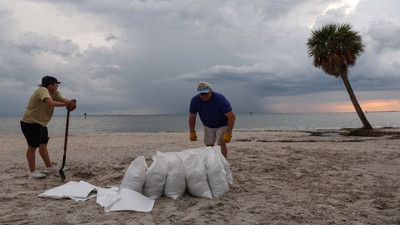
(279, 177)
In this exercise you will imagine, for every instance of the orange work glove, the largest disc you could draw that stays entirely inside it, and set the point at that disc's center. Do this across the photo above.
(226, 138)
(193, 136)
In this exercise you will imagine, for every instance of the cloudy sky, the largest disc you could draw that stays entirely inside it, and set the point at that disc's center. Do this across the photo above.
(146, 56)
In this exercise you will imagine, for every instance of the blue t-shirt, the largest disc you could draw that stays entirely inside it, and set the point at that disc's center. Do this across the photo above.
(212, 112)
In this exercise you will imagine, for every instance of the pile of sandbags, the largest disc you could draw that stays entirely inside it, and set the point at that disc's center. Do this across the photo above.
(203, 171)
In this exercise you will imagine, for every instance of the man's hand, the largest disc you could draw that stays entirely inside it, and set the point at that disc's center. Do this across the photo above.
(72, 105)
(226, 138)
(193, 136)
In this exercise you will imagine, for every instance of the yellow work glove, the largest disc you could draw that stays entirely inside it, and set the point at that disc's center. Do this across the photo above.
(193, 136)
(226, 138)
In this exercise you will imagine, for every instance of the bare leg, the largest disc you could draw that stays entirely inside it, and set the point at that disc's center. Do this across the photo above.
(30, 156)
(224, 150)
(44, 153)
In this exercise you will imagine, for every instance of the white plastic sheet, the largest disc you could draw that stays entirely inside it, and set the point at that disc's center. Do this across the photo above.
(112, 199)
(129, 200)
(78, 191)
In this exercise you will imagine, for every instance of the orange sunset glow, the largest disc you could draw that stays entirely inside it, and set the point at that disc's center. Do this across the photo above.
(370, 106)
(307, 107)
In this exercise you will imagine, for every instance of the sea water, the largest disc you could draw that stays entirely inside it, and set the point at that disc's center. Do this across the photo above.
(175, 123)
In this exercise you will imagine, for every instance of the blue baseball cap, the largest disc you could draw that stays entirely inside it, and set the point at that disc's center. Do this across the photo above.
(203, 87)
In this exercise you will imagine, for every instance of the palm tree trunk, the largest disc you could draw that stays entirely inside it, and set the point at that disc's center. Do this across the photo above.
(357, 106)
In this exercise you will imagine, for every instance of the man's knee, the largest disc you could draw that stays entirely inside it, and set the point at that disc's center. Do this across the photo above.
(42, 147)
(31, 149)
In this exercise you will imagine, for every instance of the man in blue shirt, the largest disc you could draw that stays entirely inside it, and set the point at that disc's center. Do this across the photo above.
(215, 113)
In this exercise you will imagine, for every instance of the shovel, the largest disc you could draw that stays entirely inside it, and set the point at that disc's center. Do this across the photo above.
(62, 175)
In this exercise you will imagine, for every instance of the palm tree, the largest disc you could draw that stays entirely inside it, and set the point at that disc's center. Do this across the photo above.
(334, 49)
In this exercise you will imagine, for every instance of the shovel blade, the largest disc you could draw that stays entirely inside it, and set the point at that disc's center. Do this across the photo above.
(62, 175)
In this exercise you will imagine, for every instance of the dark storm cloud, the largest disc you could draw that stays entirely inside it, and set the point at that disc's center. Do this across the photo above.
(147, 56)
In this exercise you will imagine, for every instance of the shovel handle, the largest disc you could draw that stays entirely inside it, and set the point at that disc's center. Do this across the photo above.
(66, 133)
(61, 172)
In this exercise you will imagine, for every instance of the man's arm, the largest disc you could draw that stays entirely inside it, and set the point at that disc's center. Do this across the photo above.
(50, 102)
(192, 121)
(192, 124)
(70, 104)
(67, 101)
(231, 121)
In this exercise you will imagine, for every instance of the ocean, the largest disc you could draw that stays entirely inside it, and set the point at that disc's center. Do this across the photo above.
(173, 123)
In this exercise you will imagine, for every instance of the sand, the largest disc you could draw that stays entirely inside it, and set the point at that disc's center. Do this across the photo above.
(280, 177)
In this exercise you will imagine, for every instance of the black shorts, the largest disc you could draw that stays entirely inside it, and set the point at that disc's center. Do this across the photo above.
(35, 134)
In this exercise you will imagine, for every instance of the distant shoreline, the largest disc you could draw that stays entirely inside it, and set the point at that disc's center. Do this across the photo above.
(239, 114)
(74, 114)
(312, 132)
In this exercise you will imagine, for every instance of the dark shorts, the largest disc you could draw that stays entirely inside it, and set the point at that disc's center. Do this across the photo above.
(35, 134)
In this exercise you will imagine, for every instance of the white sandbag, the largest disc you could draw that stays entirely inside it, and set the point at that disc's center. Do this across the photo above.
(225, 164)
(216, 174)
(222, 158)
(135, 175)
(185, 153)
(175, 183)
(227, 169)
(153, 187)
(195, 173)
